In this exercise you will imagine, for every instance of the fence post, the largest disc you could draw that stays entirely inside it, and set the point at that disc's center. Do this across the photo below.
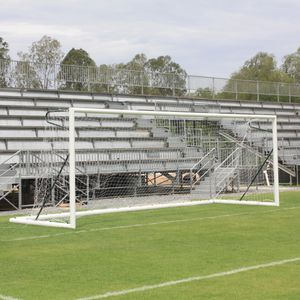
(290, 96)
(88, 78)
(142, 78)
(213, 88)
(257, 91)
(54, 77)
(27, 72)
(188, 85)
(278, 92)
(236, 90)
(173, 79)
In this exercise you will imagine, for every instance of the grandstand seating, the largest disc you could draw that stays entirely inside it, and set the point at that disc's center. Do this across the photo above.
(22, 122)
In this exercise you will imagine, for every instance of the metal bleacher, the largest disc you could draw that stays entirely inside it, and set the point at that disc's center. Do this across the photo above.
(22, 123)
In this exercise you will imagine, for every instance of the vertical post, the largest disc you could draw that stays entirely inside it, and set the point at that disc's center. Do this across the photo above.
(21, 166)
(72, 167)
(278, 92)
(88, 79)
(54, 77)
(236, 90)
(213, 88)
(87, 189)
(173, 84)
(142, 78)
(275, 161)
(53, 192)
(20, 192)
(191, 179)
(257, 91)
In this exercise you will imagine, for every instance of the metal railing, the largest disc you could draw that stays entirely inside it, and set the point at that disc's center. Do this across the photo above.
(9, 176)
(202, 167)
(229, 165)
(21, 74)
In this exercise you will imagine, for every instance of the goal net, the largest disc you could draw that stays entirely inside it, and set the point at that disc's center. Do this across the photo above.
(100, 161)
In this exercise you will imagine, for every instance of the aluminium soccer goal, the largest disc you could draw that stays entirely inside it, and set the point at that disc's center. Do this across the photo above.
(99, 161)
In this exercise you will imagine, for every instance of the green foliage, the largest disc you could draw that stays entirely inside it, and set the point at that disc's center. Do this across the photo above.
(129, 250)
(291, 65)
(174, 76)
(137, 69)
(204, 93)
(40, 63)
(155, 76)
(4, 49)
(262, 67)
(77, 58)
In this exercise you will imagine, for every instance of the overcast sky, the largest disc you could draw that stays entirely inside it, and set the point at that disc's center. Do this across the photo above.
(211, 37)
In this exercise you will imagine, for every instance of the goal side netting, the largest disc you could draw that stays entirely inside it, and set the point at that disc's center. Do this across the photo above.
(98, 161)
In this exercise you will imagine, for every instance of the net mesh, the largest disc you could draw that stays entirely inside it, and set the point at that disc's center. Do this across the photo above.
(127, 161)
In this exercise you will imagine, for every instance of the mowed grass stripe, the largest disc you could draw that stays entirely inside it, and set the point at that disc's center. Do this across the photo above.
(71, 232)
(190, 279)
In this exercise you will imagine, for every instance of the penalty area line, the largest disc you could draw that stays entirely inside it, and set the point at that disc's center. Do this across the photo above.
(190, 279)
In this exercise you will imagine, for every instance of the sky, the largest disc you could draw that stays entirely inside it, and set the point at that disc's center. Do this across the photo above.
(207, 38)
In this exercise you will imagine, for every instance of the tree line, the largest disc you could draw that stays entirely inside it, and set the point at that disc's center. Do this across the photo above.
(43, 55)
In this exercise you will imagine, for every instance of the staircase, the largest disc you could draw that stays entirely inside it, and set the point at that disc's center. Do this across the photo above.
(9, 179)
(217, 177)
(227, 134)
(215, 183)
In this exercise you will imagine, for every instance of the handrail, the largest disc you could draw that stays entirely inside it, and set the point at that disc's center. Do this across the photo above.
(280, 166)
(208, 153)
(202, 167)
(4, 162)
(222, 164)
(9, 169)
(227, 158)
(12, 167)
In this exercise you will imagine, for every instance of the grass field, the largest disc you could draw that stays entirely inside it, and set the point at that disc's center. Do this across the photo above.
(203, 252)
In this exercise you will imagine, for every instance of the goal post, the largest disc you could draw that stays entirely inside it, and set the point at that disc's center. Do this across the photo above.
(130, 160)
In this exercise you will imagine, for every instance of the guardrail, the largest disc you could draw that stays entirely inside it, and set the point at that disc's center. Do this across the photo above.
(21, 74)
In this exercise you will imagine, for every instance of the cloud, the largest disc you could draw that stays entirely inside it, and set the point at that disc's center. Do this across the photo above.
(205, 37)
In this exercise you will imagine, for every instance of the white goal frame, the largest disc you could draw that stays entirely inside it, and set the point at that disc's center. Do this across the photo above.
(43, 219)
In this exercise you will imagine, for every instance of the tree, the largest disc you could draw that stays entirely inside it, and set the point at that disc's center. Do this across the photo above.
(4, 63)
(261, 67)
(40, 63)
(80, 75)
(3, 49)
(136, 74)
(156, 76)
(167, 73)
(291, 65)
(204, 93)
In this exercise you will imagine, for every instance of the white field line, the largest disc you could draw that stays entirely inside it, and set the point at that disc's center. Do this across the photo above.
(190, 279)
(3, 297)
(144, 224)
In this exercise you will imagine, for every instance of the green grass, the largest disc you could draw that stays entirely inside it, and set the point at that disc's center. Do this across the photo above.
(101, 256)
